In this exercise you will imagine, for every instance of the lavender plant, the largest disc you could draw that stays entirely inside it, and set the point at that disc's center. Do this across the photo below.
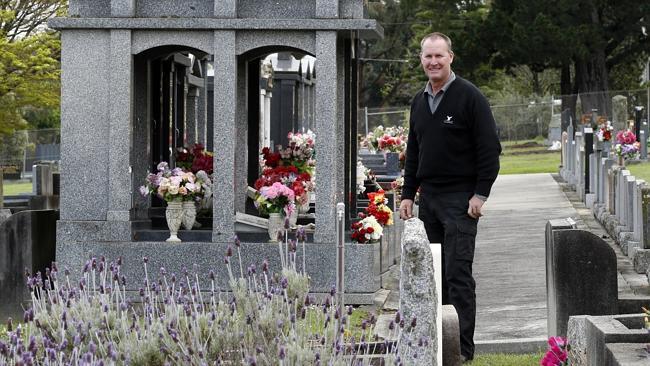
(264, 319)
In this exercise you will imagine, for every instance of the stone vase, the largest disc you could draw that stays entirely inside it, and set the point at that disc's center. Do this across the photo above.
(276, 224)
(293, 218)
(303, 208)
(174, 216)
(189, 214)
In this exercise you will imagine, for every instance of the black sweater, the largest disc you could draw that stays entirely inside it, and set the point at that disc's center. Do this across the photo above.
(457, 148)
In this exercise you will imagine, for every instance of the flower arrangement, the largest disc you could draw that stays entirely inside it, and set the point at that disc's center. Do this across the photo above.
(604, 132)
(378, 208)
(362, 175)
(558, 352)
(194, 159)
(277, 198)
(391, 139)
(626, 145)
(173, 184)
(366, 230)
(397, 185)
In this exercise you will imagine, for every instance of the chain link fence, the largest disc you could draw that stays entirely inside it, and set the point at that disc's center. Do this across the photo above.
(535, 117)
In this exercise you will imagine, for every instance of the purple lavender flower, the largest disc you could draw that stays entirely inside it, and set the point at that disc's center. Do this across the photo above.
(237, 241)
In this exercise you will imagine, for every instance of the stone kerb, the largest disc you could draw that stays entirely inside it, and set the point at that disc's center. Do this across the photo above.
(590, 336)
(418, 297)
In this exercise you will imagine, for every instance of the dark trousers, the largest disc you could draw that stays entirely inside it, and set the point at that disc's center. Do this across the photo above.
(447, 222)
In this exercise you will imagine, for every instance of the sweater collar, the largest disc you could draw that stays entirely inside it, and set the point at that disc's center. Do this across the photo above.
(429, 90)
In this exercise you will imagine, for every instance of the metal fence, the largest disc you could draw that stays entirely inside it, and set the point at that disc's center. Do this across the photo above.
(524, 119)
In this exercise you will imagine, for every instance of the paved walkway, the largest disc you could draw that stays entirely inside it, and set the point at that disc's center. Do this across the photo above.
(509, 263)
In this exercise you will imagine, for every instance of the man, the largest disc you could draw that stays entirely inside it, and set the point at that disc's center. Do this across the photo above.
(452, 156)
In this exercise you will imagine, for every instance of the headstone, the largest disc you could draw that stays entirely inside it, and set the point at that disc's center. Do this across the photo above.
(27, 241)
(593, 334)
(43, 185)
(418, 297)
(566, 119)
(588, 136)
(581, 276)
(638, 116)
(450, 336)
(645, 217)
(555, 129)
(619, 112)
(2, 193)
(630, 184)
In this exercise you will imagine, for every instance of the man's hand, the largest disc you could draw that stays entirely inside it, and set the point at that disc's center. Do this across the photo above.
(406, 209)
(474, 209)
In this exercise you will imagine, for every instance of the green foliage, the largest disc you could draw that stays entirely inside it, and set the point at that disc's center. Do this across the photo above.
(29, 63)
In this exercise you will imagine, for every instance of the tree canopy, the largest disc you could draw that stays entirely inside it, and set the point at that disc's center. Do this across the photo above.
(29, 63)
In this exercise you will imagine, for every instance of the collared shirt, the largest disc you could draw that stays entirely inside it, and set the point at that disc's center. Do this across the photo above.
(434, 100)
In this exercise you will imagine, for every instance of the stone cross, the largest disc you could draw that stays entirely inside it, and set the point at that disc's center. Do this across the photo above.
(418, 298)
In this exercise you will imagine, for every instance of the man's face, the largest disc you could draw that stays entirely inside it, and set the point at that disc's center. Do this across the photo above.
(436, 60)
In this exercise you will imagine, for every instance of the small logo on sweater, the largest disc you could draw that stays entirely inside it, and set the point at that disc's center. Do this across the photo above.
(449, 120)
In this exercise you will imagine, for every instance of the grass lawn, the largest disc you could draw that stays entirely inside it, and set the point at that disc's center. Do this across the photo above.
(640, 171)
(530, 163)
(13, 188)
(499, 359)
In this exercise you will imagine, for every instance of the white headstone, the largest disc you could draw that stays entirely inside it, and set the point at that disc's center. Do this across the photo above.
(619, 112)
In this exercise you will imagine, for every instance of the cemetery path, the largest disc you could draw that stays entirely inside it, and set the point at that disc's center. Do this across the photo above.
(509, 261)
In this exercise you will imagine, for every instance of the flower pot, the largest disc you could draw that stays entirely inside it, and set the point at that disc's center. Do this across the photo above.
(276, 225)
(174, 216)
(189, 214)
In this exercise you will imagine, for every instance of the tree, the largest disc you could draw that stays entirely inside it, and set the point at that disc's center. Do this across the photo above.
(584, 39)
(29, 60)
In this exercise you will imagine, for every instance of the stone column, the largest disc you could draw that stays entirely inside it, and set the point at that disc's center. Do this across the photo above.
(225, 136)
(327, 140)
(225, 8)
(267, 118)
(202, 108)
(120, 126)
(191, 123)
(241, 141)
(327, 9)
(123, 8)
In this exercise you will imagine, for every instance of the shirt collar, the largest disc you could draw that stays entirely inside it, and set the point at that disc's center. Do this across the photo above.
(428, 90)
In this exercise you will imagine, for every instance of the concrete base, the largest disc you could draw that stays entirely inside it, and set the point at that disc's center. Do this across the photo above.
(362, 277)
(627, 354)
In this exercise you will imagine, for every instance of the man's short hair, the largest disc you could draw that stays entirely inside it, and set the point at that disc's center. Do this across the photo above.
(437, 35)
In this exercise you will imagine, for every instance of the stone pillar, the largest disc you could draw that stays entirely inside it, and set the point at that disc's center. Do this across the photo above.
(645, 217)
(267, 118)
(419, 296)
(225, 136)
(638, 210)
(225, 9)
(120, 126)
(326, 115)
(619, 112)
(202, 108)
(123, 8)
(327, 9)
(641, 127)
(191, 123)
(241, 142)
(588, 144)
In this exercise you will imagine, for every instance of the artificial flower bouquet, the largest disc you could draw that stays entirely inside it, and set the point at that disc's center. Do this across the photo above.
(173, 184)
(194, 159)
(366, 230)
(397, 185)
(378, 207)
(604, 132)
(558, 352)
(626, 145)
(362, 175)
(276, 198)
(391, 139)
